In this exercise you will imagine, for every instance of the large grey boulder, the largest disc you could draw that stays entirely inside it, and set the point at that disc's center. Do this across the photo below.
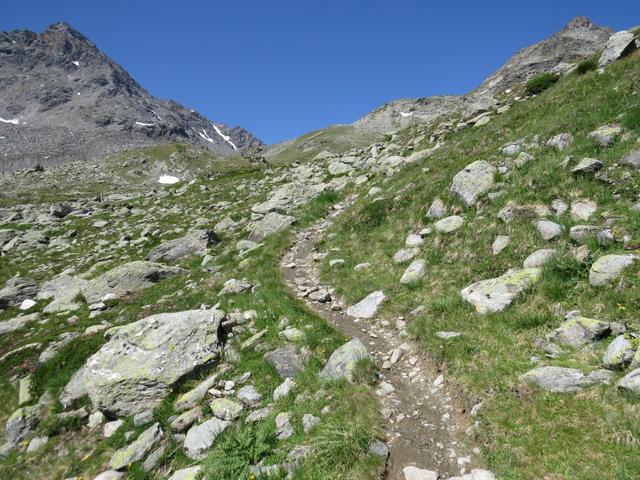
(609, 267)
(449, 224)
(194, 243)
(140, 363)
(127, 278)
(343, 360)
(368, 306)
(630, 383)
(496, 294)
(64, 289)
(137, 450)
(271, 223)
(619, 353)
(200, 437)
(620, 44)
(562, 379)
(539, 258)
(414, 272)
(473, 181)
(578, 331)
(16, 290)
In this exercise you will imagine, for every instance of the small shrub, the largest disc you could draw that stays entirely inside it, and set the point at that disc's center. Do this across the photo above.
(540, 83)
(587, 65)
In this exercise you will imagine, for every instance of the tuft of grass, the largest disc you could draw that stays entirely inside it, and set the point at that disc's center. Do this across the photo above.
(540, 83)
(587, 65)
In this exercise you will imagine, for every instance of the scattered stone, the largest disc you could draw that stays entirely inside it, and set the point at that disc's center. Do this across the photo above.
(143, 418)
(16, 290)
(609, 267)
(437, 209)
(415, 473)
(21, 423)
(271, 223)
(200, 437)
(138, 449)
(110, 428)
(193, 396)
(473, 181)
(287, 361)
(194, 243)
(405, 254)
(37, 443)
(368, 306)
(234, 286)
(225, 409)
(342, 362)
(186, 419)
(583, 209)
(309, 421)
(284, 389)
(561, 141)
(189, 473)
(560, 379)
(499, 244)
(549, 230)
(414, 272)
(539, 258)
(619, 353)
(578, 331)
(260, 414)
(632, 160)
(284, 428)
(630, 383)
(449, 224)
(96, 419)
(249, 395)
(17, 323)
(606, 135)
(414, 240)
(587, 165)
(496, 294)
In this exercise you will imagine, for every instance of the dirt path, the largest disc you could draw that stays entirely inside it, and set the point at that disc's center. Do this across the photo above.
(426, 422)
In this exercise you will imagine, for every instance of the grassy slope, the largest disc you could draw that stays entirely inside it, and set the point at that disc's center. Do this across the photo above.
(527, 434)
(345, 431)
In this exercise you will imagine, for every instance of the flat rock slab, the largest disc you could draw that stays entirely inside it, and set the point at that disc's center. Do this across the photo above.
(200, 437)
(194, 243)
(368, 306)
(449, 224)
(138, 366)
(609, 267)
(496, 294)
(619, 45)
(271, 223)
(563, 380)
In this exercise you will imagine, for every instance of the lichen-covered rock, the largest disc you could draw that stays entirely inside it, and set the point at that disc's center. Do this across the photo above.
(127, 278)
(368, 306)
(587, 165)
(619, 353)
(138, 366)
(16, 290)
(22, 422)
(449, 224)
(578, 331)
(13, 324)
(194, 243)
(539, 258)
(496, 294)
(561, 379)
(64, 289)
(137, 450)
(473, 181)
(414, 272)
(225, 409)
(606, 134)
(287, 360)
(343, 360)
(200, 437)
(271, 223)
(609, 267)
(630, 383)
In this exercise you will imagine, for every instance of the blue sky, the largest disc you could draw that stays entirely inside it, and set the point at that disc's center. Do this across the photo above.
(283, 68)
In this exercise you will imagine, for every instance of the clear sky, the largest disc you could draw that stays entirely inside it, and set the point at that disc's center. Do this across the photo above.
(281, 68)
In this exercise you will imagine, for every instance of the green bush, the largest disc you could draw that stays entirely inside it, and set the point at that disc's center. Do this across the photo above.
(540, 83)
(586, 66)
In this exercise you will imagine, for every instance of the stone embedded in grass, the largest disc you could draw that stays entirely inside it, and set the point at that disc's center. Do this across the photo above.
(284, 427)
(539, 258)
(630, 383)
(415, 473)
(186, 419)
(142, 360)
(64, 289)
(606, 135)
(499, 244)
(200, 437)
(17, 323)
(284, 389)
(194, 243)
(271, 223)
(580, 233)
(619, 45)
(260, 414)
(137, 450)
(248, 395)
(225, 409)
(368, 306)
(234, 286)
(561, 141)
(224, 225)
(245, 245)
(583, 209)
(189, 473)
(562, 379)
(110, 428)
(287, 360)
(609, 267)
(414, 240)
(473, 181)
(110, 475)
(449, 224)
(22, 422)
(404, 255)
(191, 398)
(619, 353)
(523, 159)
(549, 230)
(632, 160)
(437, 209)
(339, 168)
(588, 165)
(512, 211)
(343, 361)
(414, 272)
(16, 290)
(578, 331)
(496, 294)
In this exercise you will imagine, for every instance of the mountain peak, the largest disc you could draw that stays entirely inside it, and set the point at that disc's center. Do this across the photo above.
(579, 22)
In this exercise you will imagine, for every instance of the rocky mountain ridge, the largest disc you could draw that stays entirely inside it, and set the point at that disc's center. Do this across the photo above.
(62, 99)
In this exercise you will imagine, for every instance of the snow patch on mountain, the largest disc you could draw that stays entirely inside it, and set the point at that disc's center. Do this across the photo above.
(226, 138)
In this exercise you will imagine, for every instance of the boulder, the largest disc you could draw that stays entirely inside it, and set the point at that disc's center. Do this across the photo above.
(137, 450)
(64, 289)
(619, 45)
(473, 181)
(342, 362)
(630, 383)
(287, 360)
(549, 230)
(606, 135)
(140, 363)
(619, 353)
(200, 437)
(448, 224)
(437, 209)
(414, 272)
(271, 223)
(578, 331)
(587, 165)
(194, 243)
(539, 258)
(561, 141)
(16, 290)
(496, 294)
(368, 306)
(562, 379)
(127, 278)
(609, 267)
(583, 209)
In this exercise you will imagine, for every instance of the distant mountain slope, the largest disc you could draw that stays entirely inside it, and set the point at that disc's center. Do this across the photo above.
(61, 98)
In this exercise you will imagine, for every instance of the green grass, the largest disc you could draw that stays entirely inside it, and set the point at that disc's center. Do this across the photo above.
(540, 83)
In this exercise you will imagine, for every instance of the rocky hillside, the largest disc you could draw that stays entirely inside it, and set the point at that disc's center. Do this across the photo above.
(62, 99)
(456, 300)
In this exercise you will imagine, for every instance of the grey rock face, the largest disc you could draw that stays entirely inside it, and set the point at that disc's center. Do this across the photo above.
(137, 367)
(137, 450)
(192, 244)
(473, 181)
(21, 423)
(91, 106)
(620, 44)
(496, 294)
(342, 362)
(127, 278)
(609, 267)
(16, 290)
(368, 306)
(561, 379)
(200, 437)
